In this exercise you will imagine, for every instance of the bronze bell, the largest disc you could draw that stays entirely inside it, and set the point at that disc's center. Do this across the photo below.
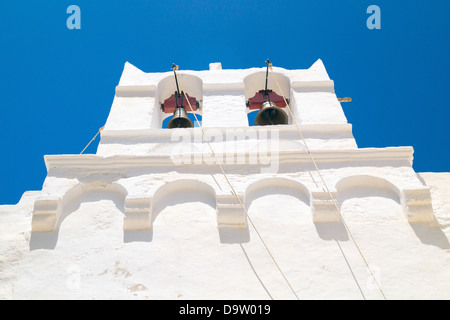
(270, 114)
(180, 119)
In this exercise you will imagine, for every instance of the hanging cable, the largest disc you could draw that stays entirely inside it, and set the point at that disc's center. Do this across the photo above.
(237, 197)
(266, 92)
(92, 139)
(324, 183)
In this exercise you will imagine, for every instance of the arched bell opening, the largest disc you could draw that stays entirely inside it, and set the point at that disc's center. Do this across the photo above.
(266, 106)
(177, 106)
(251, 115)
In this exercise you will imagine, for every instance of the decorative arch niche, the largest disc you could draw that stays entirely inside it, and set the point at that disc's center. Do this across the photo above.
(181, 191)
(76, 193)
(62, 208)
(276, 186)
(415, 202)
(362, 185)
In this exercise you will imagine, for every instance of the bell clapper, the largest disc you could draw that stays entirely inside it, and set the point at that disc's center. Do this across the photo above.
(270, 113)
(180, 117)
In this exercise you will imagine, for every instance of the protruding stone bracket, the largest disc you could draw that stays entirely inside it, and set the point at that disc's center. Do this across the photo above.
(230, 213)
(46, 213)
(417, 205)
(137, 213)
(323, 206)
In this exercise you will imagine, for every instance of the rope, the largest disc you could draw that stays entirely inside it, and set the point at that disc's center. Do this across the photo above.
(92, 139)
(237, 197)
(324, 183)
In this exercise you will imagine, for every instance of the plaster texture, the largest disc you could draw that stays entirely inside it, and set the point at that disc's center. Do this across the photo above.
(152, 216)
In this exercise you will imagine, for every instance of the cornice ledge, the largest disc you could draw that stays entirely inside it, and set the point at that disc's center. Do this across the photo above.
(158, 133)
(95, 162)
(312, 84)
(136, 90)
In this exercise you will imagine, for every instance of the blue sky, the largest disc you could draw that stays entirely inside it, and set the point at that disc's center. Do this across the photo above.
(57, 85)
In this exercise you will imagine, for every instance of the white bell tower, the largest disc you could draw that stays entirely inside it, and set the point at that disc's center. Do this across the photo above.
(316, 136)
(223, 206)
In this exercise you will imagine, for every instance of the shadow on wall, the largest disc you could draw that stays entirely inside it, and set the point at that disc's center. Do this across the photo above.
(49, 240)
(43, 240)
(226, 235)
(138, 235)
(332, 231)
(431, 235)
(234, 235)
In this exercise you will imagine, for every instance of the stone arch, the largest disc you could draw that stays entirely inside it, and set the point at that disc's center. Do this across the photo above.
(57, 210)
(415, 202)
(276, 186)
(47, 210)
(78, 191)
(180, 191)
(367, 184)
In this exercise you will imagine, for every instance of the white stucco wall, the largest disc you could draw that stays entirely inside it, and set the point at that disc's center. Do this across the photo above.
(139, 221)
(185, 255)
